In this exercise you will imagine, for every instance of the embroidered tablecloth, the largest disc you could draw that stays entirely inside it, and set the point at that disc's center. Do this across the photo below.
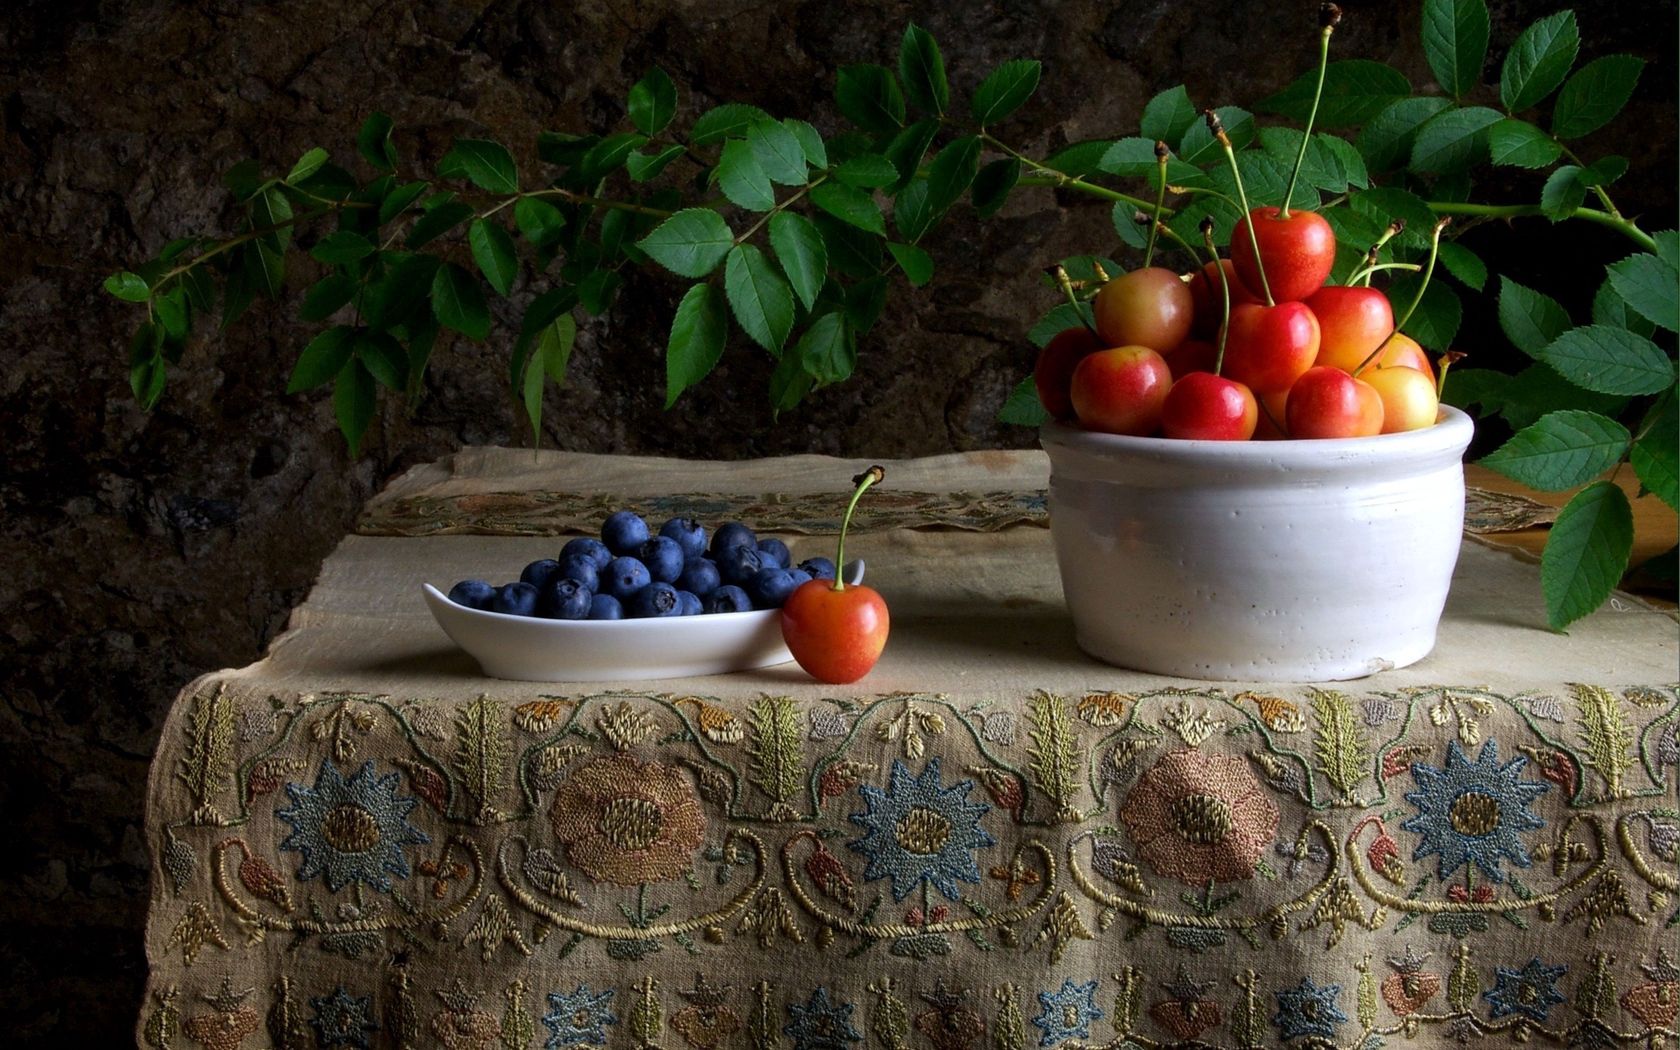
(991, 843)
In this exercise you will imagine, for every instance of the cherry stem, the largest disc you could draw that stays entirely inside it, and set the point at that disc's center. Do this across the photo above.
(1365, 272)
(1160, 199)
(1277, 424)
(1394, 229)
(1218, 130)
(1448, 359)
(1329, 15)
(1059, 272)
(1171, 235)
(1428, 272)
(1224, 293)
(873, 476)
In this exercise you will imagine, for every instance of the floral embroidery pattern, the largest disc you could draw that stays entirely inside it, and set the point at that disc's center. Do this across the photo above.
(580, 1017)
(1196, 817)
(1473, 812)
(1307, 1009)
(628, 822)
(1067, 1013)
(342, 1019)
(351, 830)
(920, 831)
(1530, 991)
(821, 1024)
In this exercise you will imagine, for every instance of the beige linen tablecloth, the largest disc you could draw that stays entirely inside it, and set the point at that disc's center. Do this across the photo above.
(991, 842)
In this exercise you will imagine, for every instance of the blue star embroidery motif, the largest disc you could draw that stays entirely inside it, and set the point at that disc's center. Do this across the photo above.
(1307, 1009)
(351, 830)
(1473, 812)
(821, 1024)
(1067, 1013)
(1530, 991)
(581, 1017)
(341, 1019)
(921, 831)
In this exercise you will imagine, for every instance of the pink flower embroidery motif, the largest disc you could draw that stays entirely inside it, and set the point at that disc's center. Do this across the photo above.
(628, 822)
(1196, 817)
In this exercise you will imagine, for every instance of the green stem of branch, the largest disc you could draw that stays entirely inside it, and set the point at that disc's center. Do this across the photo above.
(1513, 211)
(780, 207)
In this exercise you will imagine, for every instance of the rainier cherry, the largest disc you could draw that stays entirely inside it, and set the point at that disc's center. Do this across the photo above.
(1192, 355)
(1267, 348)
(837, 631)
(1352, 320)
(1053, 374)
(1146, 307)
(1204, 292)
(1120, 390)
(1408, 398)
(1330, 403)
(1297, 248)
(1207, 407)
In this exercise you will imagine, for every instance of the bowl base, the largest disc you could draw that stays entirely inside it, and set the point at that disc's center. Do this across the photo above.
(1326, 668)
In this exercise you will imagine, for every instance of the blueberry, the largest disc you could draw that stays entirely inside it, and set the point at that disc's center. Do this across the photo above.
(819, 568)
(624, 577)
(738, 565)
(800, 577)
(594, 550)
(771, 587)
(700, 576)
(663, 558)
(656, 599)
(688, 603)
(515, 599)
(727, 599)
(732, 534)
(624, 532)
(582, 568)
(689, 534)
(538, 573)
(605, 607)
(565, 599)
(474, 594)
(774, 552)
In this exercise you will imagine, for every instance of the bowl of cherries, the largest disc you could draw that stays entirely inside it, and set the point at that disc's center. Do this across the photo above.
(1252, 477)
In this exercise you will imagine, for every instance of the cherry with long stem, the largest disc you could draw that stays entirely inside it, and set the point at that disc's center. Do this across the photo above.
(1428, 272)
(1224, 294)
(1394, 229)
(1218, 129)
(873, 476)
(1328, 16)
(1060, 275)
(1160, 198)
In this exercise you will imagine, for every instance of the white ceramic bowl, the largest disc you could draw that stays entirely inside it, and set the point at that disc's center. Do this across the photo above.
(532, 649)
(1304, 561)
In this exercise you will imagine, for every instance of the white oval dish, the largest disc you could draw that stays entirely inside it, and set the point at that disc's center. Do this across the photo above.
(533, 649)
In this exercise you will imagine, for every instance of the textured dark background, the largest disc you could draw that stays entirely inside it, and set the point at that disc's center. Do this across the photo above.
(143, 550)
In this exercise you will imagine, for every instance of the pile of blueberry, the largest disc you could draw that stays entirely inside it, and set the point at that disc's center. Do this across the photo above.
(630, 573)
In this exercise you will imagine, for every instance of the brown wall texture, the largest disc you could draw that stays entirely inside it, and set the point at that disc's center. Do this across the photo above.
(144, 549)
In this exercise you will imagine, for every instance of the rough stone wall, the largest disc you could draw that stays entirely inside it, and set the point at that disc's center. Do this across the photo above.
(144, 549)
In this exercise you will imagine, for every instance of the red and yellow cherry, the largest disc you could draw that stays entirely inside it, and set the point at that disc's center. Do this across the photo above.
(1297, 252)
(1352, 321)
(1209, 301)
(1404, 352)
(1329, 403)
(1408, 398)
(837, 630)
(1121, 390)
(1192, 355)
(1146, 307)
(1053, 374)
(1273, 411)
(1204, 407)
(1267, 348)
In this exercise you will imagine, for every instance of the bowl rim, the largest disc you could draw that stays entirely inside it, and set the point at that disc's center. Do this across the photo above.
(1452, 428)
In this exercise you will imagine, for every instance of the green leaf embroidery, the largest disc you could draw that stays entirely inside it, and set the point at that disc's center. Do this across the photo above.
(459, 302)
(354, 401)
(1656, 455)
(1343, 755)
(696, 343)
(1562, 450)
(1355, 91)
(517, 1028)
(493, 250)
(1010, 1031)
(647, 1017)
(742, 178)
(776, 748)
(1538, 61)
(889, 1021)
(869, 96)
(1054, 769)
(760, 299)
(1455, 40)
(1586, 553)
(690, 243)
(800, 250)
(487, 165)
(849, 205)
(483, 748)
(1530, 319)
(1003, 92)
(1023, 409)
(324, 357)
(1595, 94)
(653, 102)
(1519, 144)
(922, 68)
(1463, 982)
(207, 764)
(1606, 737)
(1651, 286)
(1610, 361)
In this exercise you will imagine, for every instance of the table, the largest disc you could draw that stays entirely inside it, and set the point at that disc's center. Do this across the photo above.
(992, 841)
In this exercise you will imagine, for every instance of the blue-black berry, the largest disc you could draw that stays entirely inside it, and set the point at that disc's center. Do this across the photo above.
(582, 568)
(605, 607)
(774, 552)
(732, 534)
(656, 599)
(688, 604)
(663, 558)
(771, 587)
(538, 573)
(727, 599)
(819, 568)
(624, 577)
(474, 594)
(689, 534)
(738, 565)
(700, 576)
(624, 532)
(515, 599)
(565, 599)
(592, 549)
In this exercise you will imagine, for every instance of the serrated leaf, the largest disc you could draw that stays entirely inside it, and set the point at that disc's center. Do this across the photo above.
(1562, 193)
(1586, 553)
(326, 296)
(869, 96)
(458, 302)
(354, 400)
(1436, 320)
(907, 149)
(1530, 394)
(1464, 264)
(849, 205)
(1561, 450)
(779, 152)
(1656, 455)
(1059, 319)
(550, 356)
(1354, 171)
(850, 250)
(789, 382)
(1651, 286)
(1538, 61)
(402, 290)
(1200, 148)
(129, 287)
(643, 166)
(760, 299)
(307, 165)
(323, 358)
(397, 201)
(912, 213)
(916, 264)
(1610, 308)
(952, 172)
(732, 119)
(606, 157)
(1452, 140)
(383, 357)
(1355, 90)
(1529, 319)
(864, 302)
(1386, 139)
(341, 246)
(493, 250)
(1079, 159)
(827, 349)
(653, 102)
(1167, 116)
(810, 142)
(800, 250)
(992, 185)
(696, 343)
(690, 243)
(487, 165)
(1023, 409)
(1519, 144)
(866, 171)
(1609, 361)
(264, 265)
(1134, 157)
(1668, 247)
(742, 179)
(374, 143)
(1455, 40)
(1604, 171)
(922, 69)
(1594, 95)
(437, 221)
(540, 221)
(1004, 90)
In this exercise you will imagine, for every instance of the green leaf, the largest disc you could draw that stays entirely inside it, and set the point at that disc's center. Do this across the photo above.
(760, 299)
(789, 383)
(1451, 140)
(696, 343)
(307, 165)
(1523, 398)
(171, 311)
(730, 120)
(1023, 409)
(993, 184)
(341, 246)
(354, 400)
(546, 309)
(1386, 140)
(1595, 94)
(1355, 91)
(493, 250)
(912, 213)
(810, 142)
(540, 221)
(243, 179)
(1656, 455)
(690, 243)
(799, 248)
(849, 205)
(1464, 264)
(383, 357)
(1604, 171)
(326, 297)
(653, 102)
(1562, 193)
(127, 286)
(265, 267)
(1061, 317)
(321, 360)
(922, 69)
(869, 96)
(1199, 147)
(1562, 450)
(1650, 286)
(1668, 247)
(271, 211)
(1003, 92)
(374, 143)
(1530, 319)
(553, 354)
(1438, 315)
(1168, 115)
(1608, 307)
(606, 157)
(458, 302)
(907, 149)
(916, 264)
(742, 179)
(1586, 553)
(596, 291)
(1455, 40)
(827, 349)
(779, 152)
(866, 171)
(644, 167)
(1080, 159)
(850, 250)
(1538, 61)
(438, 221)
(864, 302)
(952, 172)
(401, 292)
(1610, 361)
(1354, 171)
(397, 201)
(487, 165)
(1519, 144)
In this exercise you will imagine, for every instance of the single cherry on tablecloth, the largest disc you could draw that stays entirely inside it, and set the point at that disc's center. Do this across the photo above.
(837, 631)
